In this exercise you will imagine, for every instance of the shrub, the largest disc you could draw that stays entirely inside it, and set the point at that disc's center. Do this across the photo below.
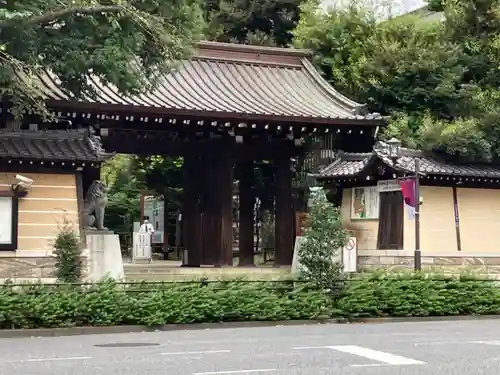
(68, 254)
(109, 303)
(419, 294)
(323, 237)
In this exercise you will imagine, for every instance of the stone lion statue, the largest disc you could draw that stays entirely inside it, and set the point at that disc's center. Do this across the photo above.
(95, 206)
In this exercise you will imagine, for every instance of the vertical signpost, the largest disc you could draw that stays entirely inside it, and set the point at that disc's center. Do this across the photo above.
(142, 247)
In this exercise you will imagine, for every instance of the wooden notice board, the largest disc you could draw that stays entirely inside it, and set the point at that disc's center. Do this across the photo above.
(300, 222)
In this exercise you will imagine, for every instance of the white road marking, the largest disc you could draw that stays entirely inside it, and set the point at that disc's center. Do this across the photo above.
(492, 342)
(54, 359)
(311, 347)
(388, 358)
(203, 352)
(431, 343)
(236, 372)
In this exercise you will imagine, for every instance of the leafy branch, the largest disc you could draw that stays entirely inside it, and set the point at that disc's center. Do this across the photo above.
(21, 19)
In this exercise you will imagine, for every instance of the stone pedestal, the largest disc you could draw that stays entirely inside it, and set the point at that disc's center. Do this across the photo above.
(104, 256)
(299, 240)
(296, 264)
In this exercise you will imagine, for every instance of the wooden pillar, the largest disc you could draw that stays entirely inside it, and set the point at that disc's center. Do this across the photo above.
(210, 244)
(191, 213)
(218, 213)
(226, 190)
(284, 212)
(80, 201)
(246, 240)
(222, 209)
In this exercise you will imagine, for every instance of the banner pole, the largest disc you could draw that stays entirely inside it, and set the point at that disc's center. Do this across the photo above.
(418, 255)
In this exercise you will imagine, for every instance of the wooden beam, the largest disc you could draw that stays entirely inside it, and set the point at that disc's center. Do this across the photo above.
(246, 195)
(284, 212)
(226, 197)
(191, 215)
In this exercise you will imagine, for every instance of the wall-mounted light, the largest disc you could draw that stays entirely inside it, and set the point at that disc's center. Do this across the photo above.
(21, 186)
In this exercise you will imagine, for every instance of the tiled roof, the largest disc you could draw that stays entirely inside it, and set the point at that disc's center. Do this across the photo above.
(346, 164)
(52, 145)
(352, 164)
(234, 82)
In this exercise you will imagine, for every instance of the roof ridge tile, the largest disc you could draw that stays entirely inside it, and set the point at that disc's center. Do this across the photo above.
(53, 144)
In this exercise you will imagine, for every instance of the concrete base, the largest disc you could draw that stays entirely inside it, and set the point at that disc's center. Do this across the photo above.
(296, 265)
(16, 268)
(104, 256)
(172, 271)
(448, 262)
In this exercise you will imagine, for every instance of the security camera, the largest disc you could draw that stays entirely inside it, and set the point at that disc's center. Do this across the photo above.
(22, 183)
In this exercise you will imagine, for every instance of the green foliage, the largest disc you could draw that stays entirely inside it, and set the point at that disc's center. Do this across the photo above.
(324, 235)
(438, 82)
(267, 230)
(162, 174)
(125, 43)
(68, 254)
(124, 193)
(419, 294)
(107, 304)
(258, 22)
(128, 175)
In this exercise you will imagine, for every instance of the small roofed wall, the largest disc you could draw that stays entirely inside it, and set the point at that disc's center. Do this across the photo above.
(51, 199)
(365, 231)
(437, 222)
(479, 223)
(479, 219)
(479, 211)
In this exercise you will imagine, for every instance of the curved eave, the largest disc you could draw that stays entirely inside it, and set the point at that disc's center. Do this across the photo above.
(73, 105)
(56, 163)
(283, 88)
(336, 97)
(357, 167)
(51, 148)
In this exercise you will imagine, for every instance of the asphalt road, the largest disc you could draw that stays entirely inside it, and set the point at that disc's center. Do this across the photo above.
(435, 348)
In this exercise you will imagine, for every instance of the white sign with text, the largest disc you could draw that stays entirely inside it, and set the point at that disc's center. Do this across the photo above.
(5, 220)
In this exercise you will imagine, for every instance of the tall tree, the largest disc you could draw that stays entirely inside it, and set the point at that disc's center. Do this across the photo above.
(261, 22)
(123, 42)
(393, 66)
(437, 81)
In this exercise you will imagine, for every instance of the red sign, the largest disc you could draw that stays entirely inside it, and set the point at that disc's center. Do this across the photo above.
(408, 190)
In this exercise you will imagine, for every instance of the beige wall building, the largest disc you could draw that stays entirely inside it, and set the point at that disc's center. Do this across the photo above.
(43, 175)
(459, 214)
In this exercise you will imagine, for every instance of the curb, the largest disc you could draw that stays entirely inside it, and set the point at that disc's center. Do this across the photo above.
(75, 331)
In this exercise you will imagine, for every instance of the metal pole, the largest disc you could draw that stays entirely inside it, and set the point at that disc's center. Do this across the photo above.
(418, 258)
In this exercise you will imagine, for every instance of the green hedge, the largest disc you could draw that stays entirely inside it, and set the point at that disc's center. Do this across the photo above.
(419, 295)
(108, 303)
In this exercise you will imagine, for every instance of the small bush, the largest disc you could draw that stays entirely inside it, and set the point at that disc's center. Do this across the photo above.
(323, 237)
(68, 254)
(418, 294)
(108, 303)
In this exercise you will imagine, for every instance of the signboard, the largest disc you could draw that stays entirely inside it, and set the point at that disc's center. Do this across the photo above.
(300, 222)
(142, 247)
(388, 185)
(350, 255)
(365, 203)
(153, 207)
(6, 220)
